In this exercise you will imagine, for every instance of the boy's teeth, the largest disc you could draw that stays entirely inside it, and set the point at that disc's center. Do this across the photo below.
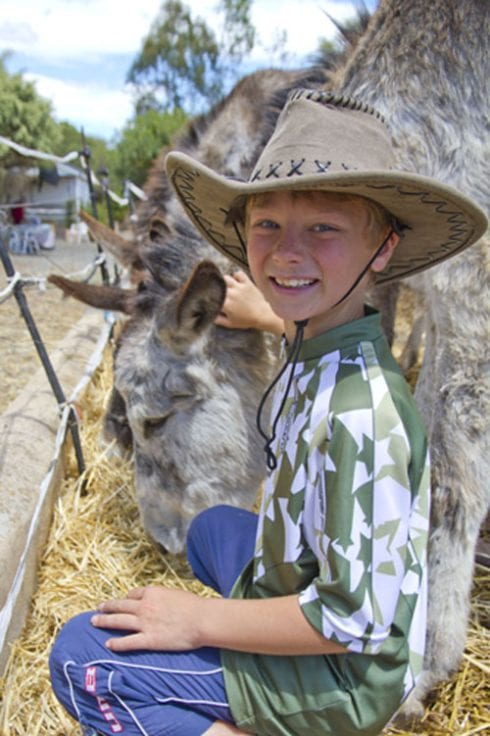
(292, 283)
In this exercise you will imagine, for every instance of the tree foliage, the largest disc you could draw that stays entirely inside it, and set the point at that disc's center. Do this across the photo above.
(142, 140)
(183, 64)
(25, 116)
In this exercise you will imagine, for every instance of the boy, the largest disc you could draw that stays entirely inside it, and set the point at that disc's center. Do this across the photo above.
(321, 626)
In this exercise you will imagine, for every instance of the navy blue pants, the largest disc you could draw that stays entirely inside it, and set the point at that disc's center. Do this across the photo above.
(147, 692)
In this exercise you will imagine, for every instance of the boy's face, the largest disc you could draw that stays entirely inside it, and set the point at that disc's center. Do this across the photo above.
(306, 251)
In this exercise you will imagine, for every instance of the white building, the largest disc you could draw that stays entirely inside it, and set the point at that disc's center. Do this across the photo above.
(55, 192)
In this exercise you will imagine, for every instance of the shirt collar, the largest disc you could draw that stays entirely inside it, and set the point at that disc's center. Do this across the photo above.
(365, 328)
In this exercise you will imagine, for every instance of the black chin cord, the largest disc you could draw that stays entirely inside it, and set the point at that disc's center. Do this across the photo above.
(364, 270)
(291, 361)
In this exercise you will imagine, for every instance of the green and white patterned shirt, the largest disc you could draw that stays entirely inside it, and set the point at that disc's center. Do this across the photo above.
(344, 524)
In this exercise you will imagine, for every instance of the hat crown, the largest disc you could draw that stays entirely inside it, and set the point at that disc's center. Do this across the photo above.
(321, 132)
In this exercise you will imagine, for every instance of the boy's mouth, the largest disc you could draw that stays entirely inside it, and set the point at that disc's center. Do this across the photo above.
(293, 283)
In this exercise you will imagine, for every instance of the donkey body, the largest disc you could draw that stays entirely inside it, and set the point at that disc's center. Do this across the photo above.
(425, 66)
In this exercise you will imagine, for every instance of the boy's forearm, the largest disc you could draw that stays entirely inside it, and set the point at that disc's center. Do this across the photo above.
(274, 626)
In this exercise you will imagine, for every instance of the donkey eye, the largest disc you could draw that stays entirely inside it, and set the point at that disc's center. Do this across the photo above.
(152, 424)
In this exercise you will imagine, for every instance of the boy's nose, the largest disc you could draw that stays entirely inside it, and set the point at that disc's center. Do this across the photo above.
(289, 247)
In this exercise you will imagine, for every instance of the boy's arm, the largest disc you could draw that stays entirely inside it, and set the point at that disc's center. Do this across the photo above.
(245, 307)
(163, 619)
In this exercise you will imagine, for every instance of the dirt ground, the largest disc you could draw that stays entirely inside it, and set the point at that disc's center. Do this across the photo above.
(54, 315)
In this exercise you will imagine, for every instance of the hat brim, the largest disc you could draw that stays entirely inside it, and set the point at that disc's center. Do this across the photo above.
(440, 222)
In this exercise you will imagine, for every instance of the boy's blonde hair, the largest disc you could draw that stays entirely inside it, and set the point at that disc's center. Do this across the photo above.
(379, 219)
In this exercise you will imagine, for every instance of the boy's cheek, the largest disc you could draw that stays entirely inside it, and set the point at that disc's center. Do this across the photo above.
(254, 265)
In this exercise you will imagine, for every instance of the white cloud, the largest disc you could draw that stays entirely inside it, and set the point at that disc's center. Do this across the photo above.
(99, 110)
(73, 34)
(72, 28)
(305, 22)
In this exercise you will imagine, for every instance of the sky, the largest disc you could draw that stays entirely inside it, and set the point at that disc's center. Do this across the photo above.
(78, 52)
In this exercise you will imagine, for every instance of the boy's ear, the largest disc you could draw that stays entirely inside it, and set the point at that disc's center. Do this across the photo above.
(381, 260)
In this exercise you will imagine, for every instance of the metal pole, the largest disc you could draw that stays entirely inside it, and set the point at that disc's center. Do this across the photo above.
(129, 196)
(86, 154)
(43, 355)
(104, 178)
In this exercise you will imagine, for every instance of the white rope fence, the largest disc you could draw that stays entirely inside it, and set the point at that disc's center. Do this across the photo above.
(16, 283)
(66, 409)
(85, 274)
(33, 153)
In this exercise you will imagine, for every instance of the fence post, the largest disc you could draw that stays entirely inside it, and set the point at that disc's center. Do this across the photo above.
(129, 196)
(43, 355)
(86, 153)
(104, 178)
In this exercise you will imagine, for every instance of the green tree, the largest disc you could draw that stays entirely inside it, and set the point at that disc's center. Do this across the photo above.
(183, 64)
(25, 117)
(239, 35)
(141, 141)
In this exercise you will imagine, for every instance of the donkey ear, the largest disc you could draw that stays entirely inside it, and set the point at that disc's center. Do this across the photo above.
(201, 299)
(159, 229)
(97, 295)
(125, 251)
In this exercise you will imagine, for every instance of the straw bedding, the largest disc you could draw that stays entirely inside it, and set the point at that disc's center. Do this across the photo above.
(97, 549)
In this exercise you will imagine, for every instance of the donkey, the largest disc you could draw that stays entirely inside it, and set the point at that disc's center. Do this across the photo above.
(185, 390)
(425, 65)
(190, 397)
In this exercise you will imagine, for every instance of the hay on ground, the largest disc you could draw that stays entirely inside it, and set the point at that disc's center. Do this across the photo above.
(97, 549)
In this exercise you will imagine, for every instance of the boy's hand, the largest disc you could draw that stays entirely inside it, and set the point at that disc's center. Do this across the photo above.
(245, 307)
(175, 620)
(158, 619)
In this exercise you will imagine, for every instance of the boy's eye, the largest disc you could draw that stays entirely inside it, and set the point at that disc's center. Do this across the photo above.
(322, 227)
(265, 223)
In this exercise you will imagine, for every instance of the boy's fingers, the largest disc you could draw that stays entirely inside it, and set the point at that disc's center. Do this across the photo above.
(241, 276)
(123, 621)
(126, 643)
(123, 605)
(136, 593)
(222, 320)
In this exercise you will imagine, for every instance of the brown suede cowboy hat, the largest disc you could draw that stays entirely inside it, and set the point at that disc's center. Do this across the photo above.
(327, 142)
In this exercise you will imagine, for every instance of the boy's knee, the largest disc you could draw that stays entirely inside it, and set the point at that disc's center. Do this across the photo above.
(78, 641)
(71, 646)
(205, 522)
(217, 522)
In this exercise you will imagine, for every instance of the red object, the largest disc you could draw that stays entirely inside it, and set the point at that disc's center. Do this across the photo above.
(17, 214)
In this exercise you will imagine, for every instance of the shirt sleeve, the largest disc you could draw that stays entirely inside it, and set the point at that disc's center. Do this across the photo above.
(362, 509)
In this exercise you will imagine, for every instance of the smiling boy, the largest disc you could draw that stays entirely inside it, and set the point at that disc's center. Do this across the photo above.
(321, 626)
(306, 249)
